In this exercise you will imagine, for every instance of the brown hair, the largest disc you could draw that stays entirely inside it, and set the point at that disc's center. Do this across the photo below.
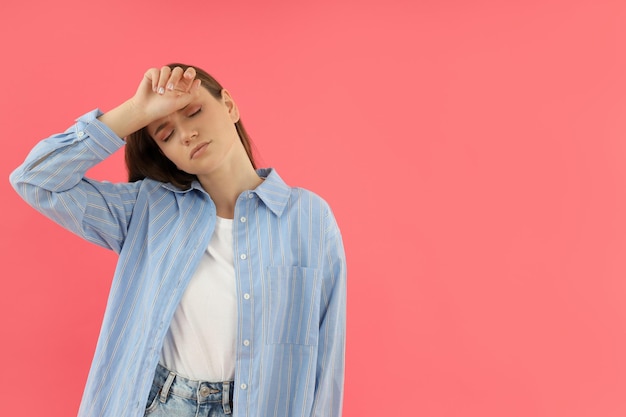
(144, 158)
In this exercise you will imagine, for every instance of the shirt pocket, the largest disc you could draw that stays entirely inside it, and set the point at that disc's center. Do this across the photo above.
(293, 305)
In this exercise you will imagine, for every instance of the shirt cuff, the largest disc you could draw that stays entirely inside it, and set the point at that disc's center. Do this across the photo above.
(102, 136)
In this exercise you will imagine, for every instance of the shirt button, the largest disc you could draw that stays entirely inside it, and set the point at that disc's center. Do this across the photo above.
(242, 219)
(81, 134)
(246, 342)
(246, 296)
(243, 256)
(243, 386)
(250, 195)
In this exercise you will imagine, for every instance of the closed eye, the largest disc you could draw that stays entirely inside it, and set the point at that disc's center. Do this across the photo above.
(166, 138)
(195, 112)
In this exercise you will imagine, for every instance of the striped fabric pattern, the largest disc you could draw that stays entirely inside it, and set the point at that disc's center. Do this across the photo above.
(290, 277)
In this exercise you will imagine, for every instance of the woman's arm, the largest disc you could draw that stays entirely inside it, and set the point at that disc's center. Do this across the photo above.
(332, 336)
(52, 178)
(160, 93)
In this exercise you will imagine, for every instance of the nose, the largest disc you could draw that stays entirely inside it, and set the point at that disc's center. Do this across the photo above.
(187, 134)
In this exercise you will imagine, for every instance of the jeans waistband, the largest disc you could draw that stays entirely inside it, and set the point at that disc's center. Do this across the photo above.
(201, 391)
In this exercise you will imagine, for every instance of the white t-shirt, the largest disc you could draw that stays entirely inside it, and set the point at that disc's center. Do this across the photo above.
(200, 343)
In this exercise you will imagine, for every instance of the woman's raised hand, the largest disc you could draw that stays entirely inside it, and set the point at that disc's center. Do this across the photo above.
(161, 92)
(164, 91)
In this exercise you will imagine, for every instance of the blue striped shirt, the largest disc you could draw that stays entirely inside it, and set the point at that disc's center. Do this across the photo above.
(290, 277)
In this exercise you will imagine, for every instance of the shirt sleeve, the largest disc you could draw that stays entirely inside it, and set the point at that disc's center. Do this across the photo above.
(328, 399)
(52, 180)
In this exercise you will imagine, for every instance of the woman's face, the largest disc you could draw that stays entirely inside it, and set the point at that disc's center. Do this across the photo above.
(199, 137)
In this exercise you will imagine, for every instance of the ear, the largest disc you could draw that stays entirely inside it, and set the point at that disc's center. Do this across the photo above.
(230, 104)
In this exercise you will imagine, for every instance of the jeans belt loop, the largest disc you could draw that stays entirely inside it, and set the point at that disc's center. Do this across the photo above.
(226, 397)
(166, 387)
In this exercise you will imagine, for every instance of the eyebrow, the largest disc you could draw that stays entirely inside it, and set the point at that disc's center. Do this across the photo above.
(162, 125)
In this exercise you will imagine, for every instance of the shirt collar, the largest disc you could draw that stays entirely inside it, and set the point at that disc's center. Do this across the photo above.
(273, 192)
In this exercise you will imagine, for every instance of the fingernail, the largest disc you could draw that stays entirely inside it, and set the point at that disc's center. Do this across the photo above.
(161, 90)
(170, 86)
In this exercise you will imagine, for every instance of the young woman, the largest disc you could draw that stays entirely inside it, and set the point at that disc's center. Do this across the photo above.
(230, 289)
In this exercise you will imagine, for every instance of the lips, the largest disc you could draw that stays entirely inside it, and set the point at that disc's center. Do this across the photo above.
(198, 150)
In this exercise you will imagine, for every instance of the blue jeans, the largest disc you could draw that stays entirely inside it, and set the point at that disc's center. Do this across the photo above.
(174, 396)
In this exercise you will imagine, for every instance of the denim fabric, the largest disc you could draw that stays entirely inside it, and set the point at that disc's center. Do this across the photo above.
(174, 396)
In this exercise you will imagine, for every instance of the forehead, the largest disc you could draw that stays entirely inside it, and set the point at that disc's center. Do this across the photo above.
(204, 97)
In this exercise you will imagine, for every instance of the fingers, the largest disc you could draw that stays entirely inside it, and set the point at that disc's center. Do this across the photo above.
(164, 76)
(152, 77)
(167, 79)
(195, 86)
(190, 74)
(185, 82)
(164, 90)
(175, 76)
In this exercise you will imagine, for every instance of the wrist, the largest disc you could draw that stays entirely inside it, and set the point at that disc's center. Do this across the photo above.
(136, 112)
(126, 118)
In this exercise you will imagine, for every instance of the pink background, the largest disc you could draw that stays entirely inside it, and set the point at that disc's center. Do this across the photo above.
(473, 152)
